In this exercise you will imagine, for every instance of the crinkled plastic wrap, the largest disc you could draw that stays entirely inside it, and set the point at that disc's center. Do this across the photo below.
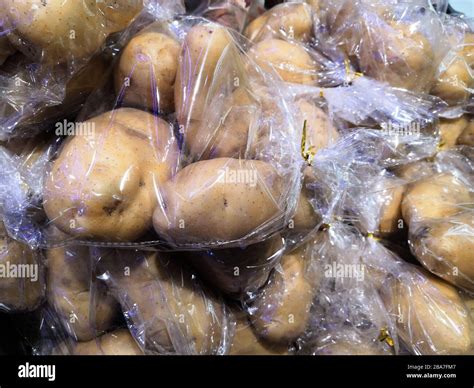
(431, 316)
(57, 61)
(398, 42)
(22, 275)
(348, 315)
(124, 176)
(165, 306)
(437, 207)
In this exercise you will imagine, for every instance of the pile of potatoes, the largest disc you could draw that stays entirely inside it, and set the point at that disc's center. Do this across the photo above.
(200, 204)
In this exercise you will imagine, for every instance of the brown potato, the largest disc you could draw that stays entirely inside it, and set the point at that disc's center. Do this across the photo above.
(246, 343)
(467, 136)
(60, 31)
(430, 315)
(453, 84)
(290, 61)
(230, 200)
(163, 297)
(321, 132)
(391, 212)
(292, 21)
(200, 53)
(116, 343)
(84, 305)
(19, 293)
(438, 196)
(446, 246)
(399, 55)
(350, 343)
(230, 137)
(237, 271)
(451, 130)
(103, 186)
(146, 71)
(281, 312)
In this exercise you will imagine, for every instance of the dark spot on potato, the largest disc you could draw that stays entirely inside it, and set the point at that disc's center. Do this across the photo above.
(110, 209)
(141, 183)
(225, 202)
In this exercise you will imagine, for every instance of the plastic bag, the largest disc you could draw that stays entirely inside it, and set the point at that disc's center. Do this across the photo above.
(86, 201)
(164, 304)
(397, 42)
(22, 275)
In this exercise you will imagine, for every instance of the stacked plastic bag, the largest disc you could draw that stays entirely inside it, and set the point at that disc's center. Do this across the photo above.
(225, 179)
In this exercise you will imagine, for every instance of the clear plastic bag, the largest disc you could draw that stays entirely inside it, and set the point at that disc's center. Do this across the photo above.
(254, 167)
(164, 304)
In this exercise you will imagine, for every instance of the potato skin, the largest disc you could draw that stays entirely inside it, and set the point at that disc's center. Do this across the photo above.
(293, 21)
(201, 51)
(237, 271)
(19, 294)
(321, 133)
(391, 212)
(467, 136)
(431, 317)
(231, 199)
(231, 136)
(403, 58)
(60, 31)
(281, 311)
(84, 312)
(149, 62)
(445, 248)
(451, 130)
(437, 196)
(290, 61)
(163, 297)
(116, 343)
(103, 186)
(246, 343)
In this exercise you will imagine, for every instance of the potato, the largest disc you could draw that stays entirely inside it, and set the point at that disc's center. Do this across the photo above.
(391, 210)
(246, 343)
(306, 218)
(116, 343)
(399, 55)
(59, 31)
(467, 136)
(415, 170)
(445, 247)
(290, 61)
(22, 281)
(451, 130)
(430, 315)
(165, 300)
(200, 53)
(228, 201)
(146, 72)
(103, 186)
(84, 305)
(292, 21)
(237, 271)
(438, 196)
(321, 133)
(453, 83)
(281, 311)
(230, 137)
